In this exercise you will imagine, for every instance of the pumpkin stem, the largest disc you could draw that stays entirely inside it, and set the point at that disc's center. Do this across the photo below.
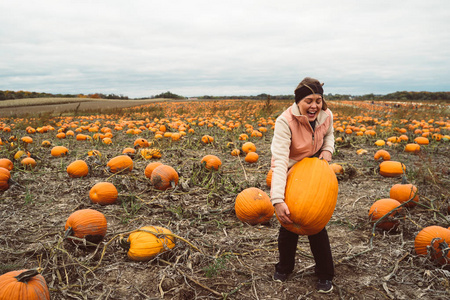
(68, 232)
(404, 180)
(123, 242)
(27, 275)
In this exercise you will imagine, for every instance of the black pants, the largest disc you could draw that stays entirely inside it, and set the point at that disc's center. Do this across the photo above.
(320, 248)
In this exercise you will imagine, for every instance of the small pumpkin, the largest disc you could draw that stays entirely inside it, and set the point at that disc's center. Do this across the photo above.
(433, 241)
(207, 139)
(28, 162)
(27, 140)
(103, 193)
(311, 195)
(251, 157)
(6, 163)
(164, 177)
(422, 140)
(86, 223)
(380, 143)
(211, 162)
(380, 208)
(141, 143)
(412, 147)
(337, 168)
(253, 206)
(361, 151)
(148, 242)
(131, 152)
(382, 154)
(58, 151)
(46, 144)
(23, 284)
(269, 178)
(150, 167)
(392, 168)
(248, 147)
(121, 163)
(77, 169)
(5, 177)
(235, 152)
(403, 192)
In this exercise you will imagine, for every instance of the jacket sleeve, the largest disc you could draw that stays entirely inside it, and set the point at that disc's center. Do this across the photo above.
(280, 149)
(328, 139)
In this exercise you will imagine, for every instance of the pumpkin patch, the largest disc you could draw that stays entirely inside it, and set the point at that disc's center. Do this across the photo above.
(182, 167)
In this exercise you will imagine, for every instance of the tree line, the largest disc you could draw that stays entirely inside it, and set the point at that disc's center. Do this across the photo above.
(402, 96)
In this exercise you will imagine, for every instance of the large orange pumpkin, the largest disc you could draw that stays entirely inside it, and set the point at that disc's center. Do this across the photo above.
(253, 206)
(78, 168)
(380, 208)
(164, 177)
(103, 193)
(311, 195)
(23, 284)
(150, 167)
(211, 162)
(148, 242)
(86, 223)
(431, 241)
(121, 163)
(402, 192)
(6, 163)
(390, 168)
(5, 177)
(59, 151)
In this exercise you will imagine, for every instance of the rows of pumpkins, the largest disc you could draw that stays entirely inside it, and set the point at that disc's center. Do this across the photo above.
(89, 226)
(311, 200)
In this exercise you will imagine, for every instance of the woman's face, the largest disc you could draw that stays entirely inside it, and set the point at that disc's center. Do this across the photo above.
(310, 106)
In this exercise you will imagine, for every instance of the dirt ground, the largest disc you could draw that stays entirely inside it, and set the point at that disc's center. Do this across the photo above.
(219, 256)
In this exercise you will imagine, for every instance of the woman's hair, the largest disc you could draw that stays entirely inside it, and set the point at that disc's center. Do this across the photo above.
(307, 87)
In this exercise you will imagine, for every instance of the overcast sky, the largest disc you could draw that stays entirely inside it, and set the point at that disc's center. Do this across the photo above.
(141, 48)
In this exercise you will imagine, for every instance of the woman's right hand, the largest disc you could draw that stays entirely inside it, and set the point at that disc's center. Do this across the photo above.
(283, 212)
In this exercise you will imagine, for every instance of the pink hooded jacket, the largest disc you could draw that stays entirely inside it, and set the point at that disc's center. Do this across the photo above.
(293, 140)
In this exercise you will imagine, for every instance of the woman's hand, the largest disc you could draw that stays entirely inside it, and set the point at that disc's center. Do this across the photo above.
(283, 212)
(326, 155)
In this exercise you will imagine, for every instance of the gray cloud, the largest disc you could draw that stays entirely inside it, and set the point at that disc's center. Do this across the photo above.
(194, 48)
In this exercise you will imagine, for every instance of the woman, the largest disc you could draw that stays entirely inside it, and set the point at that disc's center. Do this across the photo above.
(304, 130)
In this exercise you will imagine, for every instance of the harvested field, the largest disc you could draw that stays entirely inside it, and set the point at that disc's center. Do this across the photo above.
(216, 255)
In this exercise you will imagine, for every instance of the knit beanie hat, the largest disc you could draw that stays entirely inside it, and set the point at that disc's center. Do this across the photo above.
(307, 87)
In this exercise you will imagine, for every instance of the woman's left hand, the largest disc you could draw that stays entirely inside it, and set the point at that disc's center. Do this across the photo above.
(325, 155)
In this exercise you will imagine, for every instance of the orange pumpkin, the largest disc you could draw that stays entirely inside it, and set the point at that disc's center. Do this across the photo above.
(337, 168)
(431, 241)
(58, 151)
(211, 162)
(6, 163)
(311, 195)
(103, 193)
(129, 151)
(235, 152)
(5, 177)
(380, 208)
(23, 284)
(253, 206)
(78, 168)
(207, 139)
(248, 147)
(382, 154)
(121, 163)
(148, 242)
(86, 223)
(269, 178)
(392, 168)
(422, 140)
(28, 162)
(164, 177)
(141, 143)
(150, 167)
(404, 192)
(412, 147)
(251, 157)
(46, 144)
